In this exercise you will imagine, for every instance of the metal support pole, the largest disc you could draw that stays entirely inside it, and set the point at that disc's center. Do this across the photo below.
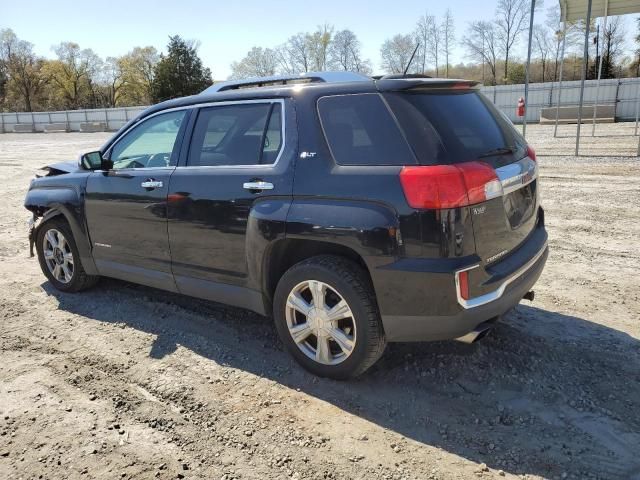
(526, 72)
(604, 33)
(637, 104)
(584, 73)
(564, 42)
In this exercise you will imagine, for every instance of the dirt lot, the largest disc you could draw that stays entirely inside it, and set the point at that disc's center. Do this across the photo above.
(130, 382)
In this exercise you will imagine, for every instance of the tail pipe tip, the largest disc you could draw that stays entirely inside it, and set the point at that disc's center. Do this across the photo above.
(530, 295)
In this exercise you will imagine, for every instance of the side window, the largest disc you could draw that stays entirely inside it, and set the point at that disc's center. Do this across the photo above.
(242, 134)
(360, 131)
(150, 144)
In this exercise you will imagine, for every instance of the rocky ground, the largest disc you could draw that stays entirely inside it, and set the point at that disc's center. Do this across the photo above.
(130, 382)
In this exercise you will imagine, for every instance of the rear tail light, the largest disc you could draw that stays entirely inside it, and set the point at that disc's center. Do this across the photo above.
(463, 284)
(531, 153)
(449, 186)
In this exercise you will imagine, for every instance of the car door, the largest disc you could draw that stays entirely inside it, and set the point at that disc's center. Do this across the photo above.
(126, 206)
(237, 169)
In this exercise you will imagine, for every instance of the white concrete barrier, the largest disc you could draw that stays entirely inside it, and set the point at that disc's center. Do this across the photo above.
(93, 127)
(604, 114)
(23, 128)
(55, 127)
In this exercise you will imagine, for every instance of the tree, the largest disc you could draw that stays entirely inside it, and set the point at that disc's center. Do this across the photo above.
(319, 42)
(422, 33)
(511, 16)
(112, 81)
(180, 72)
(396, 53)
(259, 62)
(294, 56)
(21, 70)
(543, 45)
(73, 74)
(612, 45)
(429, 36)
(448, 38)
(137, 68)
(636, 63)
(345, 53)
(481, 42)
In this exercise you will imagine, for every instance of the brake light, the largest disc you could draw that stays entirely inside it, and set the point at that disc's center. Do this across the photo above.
(531, 153)
(449, 186)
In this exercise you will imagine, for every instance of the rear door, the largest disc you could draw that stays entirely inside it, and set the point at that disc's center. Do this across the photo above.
(238, 170)
(446, 126)
(126, 206)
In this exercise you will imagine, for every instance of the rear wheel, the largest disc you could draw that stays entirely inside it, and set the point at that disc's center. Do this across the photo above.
(59, 258)
(327, 317)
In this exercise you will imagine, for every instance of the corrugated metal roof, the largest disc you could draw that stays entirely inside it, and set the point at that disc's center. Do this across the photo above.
(577, 9)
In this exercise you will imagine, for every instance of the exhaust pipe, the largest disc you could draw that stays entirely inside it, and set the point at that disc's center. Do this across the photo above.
(530, 295)
(477, 333)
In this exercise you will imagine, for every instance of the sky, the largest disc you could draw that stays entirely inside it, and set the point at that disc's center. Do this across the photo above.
(226, 29)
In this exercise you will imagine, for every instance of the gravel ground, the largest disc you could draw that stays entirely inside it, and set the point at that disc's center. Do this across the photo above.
(130, 382)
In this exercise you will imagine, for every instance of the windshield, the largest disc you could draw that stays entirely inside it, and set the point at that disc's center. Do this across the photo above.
(445, 127)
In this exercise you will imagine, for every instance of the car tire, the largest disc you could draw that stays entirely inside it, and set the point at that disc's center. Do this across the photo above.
(340, 334)
(59, 257)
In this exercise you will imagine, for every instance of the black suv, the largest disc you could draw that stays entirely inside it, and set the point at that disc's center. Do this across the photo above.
(354, 210)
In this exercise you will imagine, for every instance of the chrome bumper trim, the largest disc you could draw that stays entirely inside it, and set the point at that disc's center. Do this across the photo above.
(496, 294)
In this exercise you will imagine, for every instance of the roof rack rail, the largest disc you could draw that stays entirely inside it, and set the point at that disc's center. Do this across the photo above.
(274, 80)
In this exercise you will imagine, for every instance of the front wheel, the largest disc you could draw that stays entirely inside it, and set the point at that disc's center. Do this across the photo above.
(327, 317)
(59, 258)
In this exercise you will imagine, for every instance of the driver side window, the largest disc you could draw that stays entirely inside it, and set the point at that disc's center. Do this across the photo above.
(150, 144)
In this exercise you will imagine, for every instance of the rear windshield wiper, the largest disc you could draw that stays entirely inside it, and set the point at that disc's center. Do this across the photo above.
(497, 151)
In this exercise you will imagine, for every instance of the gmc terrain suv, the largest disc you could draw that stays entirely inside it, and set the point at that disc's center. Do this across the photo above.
(355, 210)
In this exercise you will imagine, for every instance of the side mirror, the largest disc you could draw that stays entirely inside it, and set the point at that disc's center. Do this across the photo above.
(94, 161)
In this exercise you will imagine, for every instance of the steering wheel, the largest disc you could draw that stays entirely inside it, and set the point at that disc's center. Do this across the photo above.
(135, 164)
(158, 160)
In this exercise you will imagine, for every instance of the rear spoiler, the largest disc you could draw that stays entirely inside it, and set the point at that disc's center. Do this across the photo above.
(413, 84)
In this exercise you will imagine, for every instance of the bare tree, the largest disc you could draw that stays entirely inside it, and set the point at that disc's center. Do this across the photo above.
(259, 62)
(345, 53)
(396, 53)
(612, 46)
(543, 45)
(481, 42)
(429, 36)
(511, 16)
(422, 33)
(295, 55)
(448, 38)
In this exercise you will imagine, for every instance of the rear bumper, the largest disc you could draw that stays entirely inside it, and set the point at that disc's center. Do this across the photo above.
(507, 289)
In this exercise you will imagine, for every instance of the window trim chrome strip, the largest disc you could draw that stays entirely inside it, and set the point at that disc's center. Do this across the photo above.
(497, 293)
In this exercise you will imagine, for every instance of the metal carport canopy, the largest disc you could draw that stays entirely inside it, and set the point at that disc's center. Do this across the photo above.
(577, 9)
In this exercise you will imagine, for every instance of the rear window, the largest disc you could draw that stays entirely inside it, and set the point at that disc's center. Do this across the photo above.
(452, 127)
(360, 131)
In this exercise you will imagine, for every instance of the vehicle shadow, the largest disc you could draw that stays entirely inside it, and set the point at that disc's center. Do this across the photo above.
(544, 394)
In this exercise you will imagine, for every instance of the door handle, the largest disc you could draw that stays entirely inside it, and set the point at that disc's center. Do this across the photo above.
(258, 185)
(151, 183)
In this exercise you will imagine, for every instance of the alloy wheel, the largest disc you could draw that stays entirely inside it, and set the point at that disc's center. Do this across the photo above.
(58, 255)
(320, 322)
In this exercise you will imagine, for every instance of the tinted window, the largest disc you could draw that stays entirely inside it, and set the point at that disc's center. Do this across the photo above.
(360, 131)
(450, 127)
(150, 144)
(240, 134)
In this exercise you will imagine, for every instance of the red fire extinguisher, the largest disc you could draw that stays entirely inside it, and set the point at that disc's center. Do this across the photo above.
(520, 109)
